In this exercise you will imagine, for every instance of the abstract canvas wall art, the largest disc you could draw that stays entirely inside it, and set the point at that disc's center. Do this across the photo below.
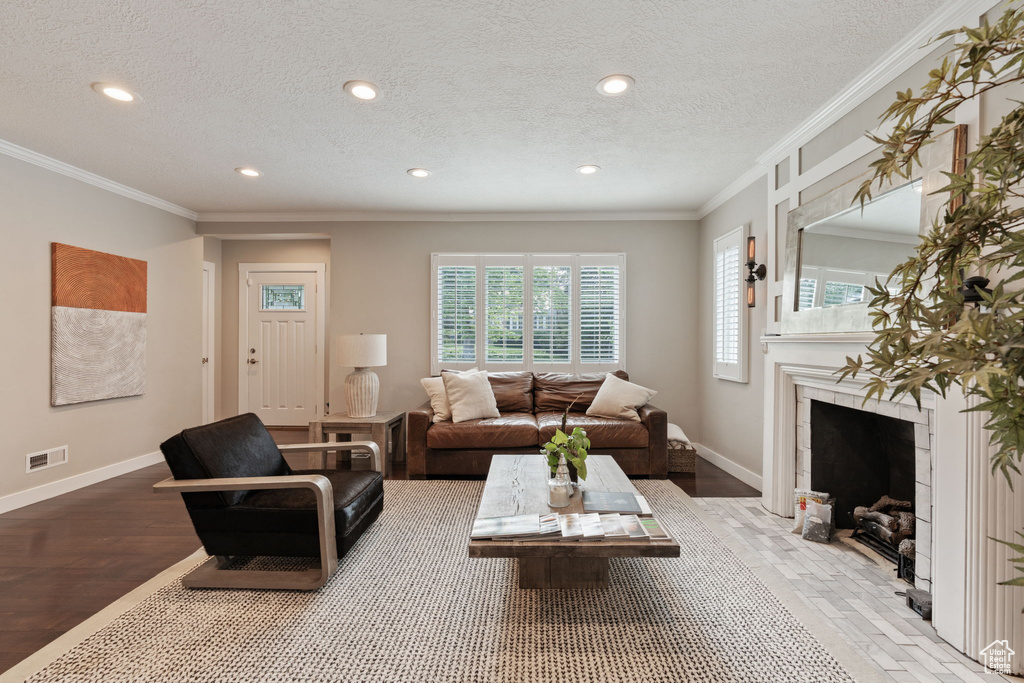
(98, 326)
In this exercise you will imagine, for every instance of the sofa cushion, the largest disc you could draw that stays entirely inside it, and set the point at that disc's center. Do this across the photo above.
(603, 432)
(434, 386)
(555, 391)
(619, 398)
(513, 391)
(470, 396)
(510, 430)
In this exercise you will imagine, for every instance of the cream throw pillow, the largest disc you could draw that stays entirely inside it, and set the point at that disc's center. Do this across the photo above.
(619, 398)
(470, 396)
(434, 386)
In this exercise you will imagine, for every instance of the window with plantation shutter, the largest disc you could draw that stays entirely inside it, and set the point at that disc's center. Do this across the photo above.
(503, 309)
(730, 308)
(599, 313)
(551, 323)
(543, 312)
(456, 313)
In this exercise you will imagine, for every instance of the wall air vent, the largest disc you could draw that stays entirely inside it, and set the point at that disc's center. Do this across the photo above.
(44, 459)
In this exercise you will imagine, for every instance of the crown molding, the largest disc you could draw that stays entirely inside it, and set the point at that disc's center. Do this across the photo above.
(446, 217)
(49, 163)
(899, 58)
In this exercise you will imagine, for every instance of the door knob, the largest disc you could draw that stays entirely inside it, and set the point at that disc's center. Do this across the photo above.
(252, 361)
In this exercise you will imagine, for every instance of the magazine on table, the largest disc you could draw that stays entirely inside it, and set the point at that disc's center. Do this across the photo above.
(503, 528)
(645, 508)
(612, 523)
(571, 528)
(610, 501)
(654, 528)
(592, 529)
(633, 527)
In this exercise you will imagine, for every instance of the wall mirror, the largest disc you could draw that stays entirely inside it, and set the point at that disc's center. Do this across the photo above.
(835, 248)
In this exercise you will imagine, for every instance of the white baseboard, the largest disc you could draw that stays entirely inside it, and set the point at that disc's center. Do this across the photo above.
(738, 471)
(56, 488)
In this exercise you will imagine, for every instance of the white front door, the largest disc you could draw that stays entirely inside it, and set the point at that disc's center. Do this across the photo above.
(209, 294)
(281, 371)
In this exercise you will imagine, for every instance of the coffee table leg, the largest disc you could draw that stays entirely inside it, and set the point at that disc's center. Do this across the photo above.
(563, 572)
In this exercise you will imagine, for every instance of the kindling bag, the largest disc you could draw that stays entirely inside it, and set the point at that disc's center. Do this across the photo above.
(800, 499)
(818, 522)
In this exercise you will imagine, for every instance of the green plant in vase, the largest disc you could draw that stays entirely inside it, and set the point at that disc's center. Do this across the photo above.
(573, 447)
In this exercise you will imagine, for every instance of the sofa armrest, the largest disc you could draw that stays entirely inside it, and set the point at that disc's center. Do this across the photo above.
(417, 423)
(656, 421)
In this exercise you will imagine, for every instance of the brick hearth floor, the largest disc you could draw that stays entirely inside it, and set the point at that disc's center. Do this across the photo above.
(853, 593)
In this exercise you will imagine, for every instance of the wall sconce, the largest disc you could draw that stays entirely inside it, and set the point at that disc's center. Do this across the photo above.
(970, 289)
(755, 272)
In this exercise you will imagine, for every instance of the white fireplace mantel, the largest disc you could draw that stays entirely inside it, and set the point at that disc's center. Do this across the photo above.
(970, 505)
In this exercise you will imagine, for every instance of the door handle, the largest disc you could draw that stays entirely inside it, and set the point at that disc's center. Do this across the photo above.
(205, 361)
(252, 361)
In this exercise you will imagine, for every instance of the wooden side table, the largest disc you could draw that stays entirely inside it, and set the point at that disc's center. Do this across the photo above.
(386, 428)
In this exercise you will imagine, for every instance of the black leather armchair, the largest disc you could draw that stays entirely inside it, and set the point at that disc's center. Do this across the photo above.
(244, 500)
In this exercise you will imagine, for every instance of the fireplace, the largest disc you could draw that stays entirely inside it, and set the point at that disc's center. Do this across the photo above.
(859, 452)
(858, 457)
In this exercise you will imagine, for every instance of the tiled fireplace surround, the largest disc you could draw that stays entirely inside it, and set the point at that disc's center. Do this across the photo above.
(960, 505)
(923, 419)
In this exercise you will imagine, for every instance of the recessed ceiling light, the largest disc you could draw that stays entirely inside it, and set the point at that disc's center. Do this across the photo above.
(418, 172)
(248, 172)
(588, 169)
(615, 84)
(362, 90)
(115, 92)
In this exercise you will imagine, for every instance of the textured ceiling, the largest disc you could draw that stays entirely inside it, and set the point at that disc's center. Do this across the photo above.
(496, 97)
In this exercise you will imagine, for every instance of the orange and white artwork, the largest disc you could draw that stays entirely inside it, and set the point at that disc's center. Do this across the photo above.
(98, 326)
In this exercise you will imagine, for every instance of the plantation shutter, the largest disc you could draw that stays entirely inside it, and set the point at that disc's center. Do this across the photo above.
(540, 312)
(552, 309)
(504, 291)
(729, 346)
(456, 313)
(600, 296)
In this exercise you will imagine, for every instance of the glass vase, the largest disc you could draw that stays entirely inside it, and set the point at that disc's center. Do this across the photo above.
(560, 486)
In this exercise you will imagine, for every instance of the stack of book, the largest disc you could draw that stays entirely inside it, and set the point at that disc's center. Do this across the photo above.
(584, 528)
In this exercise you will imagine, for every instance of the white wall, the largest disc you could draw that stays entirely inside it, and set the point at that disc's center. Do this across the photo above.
(380, 283)
(732, 413)
(40, 207)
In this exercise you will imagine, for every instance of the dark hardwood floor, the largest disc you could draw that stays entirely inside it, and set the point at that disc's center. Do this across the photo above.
(65, 559)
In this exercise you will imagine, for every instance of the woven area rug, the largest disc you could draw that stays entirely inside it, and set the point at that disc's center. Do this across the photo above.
(408, 605)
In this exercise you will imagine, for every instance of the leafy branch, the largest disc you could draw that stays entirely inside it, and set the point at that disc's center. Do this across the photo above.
(928, 335)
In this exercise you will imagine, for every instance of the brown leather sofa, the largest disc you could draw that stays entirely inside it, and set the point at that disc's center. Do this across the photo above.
(531, 407)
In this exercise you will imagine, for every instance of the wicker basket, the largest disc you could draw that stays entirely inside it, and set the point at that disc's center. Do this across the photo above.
(682, 459)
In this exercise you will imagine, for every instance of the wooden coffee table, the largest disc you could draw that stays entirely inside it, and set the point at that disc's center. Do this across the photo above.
(517, 485)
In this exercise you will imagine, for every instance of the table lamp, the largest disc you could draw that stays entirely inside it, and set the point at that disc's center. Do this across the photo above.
(362, 352)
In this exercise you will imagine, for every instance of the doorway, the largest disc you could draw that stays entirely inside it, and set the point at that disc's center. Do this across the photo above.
(209, 340)
(281, 332)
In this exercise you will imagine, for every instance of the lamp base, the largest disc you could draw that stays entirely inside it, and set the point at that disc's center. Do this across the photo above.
(362, 388)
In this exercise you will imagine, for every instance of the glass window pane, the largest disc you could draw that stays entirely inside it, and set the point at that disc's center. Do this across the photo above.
(551, 286)
(283, 298)
(504, 310)
(456, 313)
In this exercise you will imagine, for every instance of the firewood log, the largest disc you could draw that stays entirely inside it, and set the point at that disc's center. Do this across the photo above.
(908, 548)
(887, 504)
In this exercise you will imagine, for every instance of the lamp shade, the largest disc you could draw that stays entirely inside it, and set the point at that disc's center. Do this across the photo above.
(361, 350)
